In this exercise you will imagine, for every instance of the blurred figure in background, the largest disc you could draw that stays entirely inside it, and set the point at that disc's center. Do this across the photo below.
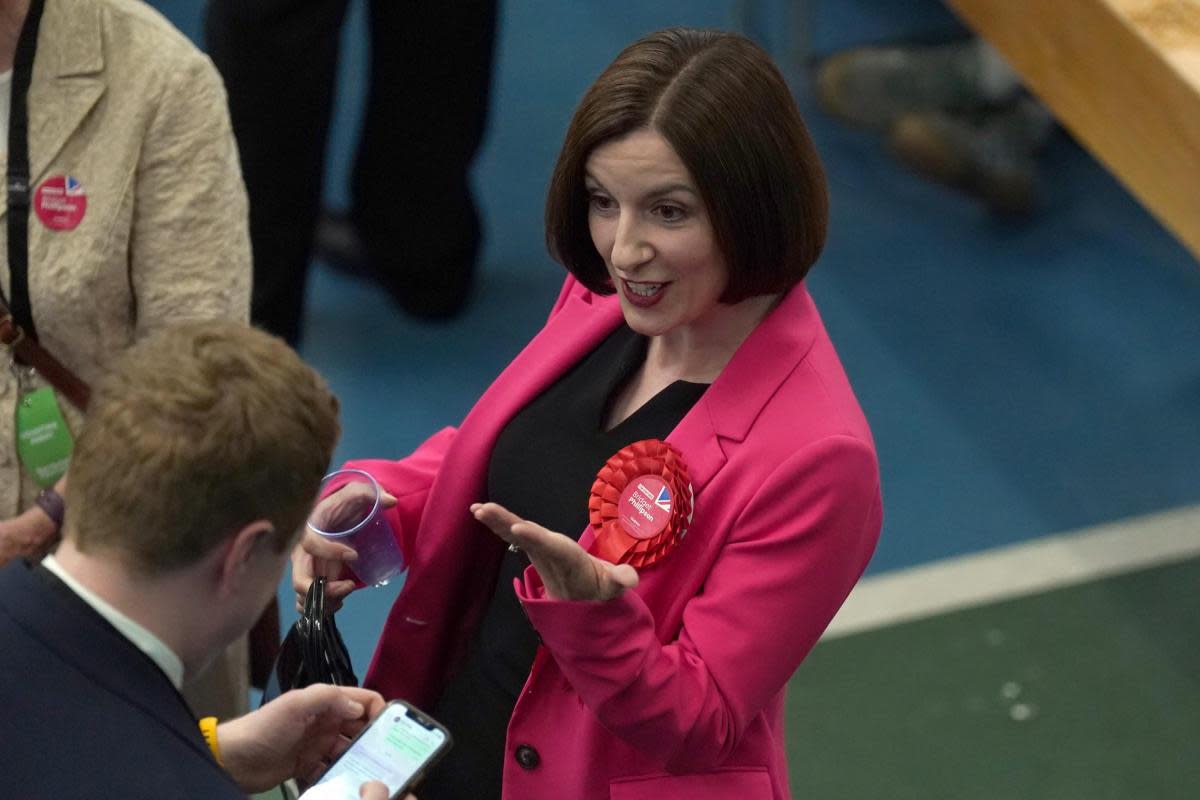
(412, 206)
(956, 113)
(134, 218)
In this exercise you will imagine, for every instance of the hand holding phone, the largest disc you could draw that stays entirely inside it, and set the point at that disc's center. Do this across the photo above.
(398, 747)
(375, 790)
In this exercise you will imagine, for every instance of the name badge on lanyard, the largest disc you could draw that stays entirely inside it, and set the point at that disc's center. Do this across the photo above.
(44, 441)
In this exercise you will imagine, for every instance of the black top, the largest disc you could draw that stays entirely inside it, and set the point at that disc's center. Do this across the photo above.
(542, 469)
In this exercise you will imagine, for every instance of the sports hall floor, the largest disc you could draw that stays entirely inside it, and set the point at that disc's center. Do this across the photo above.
(1028, 627)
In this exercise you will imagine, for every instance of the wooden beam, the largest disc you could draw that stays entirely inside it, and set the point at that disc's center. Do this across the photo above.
(1124, 77)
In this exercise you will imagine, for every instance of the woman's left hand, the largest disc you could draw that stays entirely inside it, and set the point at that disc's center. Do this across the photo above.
(567, 570)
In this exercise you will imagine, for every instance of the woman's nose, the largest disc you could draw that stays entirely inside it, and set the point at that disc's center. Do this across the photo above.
(630, 248)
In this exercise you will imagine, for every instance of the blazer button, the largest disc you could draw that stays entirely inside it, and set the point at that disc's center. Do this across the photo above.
(527, 757)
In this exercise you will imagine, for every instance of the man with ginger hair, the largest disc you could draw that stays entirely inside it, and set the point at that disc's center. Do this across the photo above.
(190, 483)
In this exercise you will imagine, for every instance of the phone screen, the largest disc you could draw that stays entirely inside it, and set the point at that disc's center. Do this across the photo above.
(392, 749)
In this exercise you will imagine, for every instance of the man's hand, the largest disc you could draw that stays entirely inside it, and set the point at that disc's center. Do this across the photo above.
(296, 735)
(372, 790)
(375, 790)
(567, 570)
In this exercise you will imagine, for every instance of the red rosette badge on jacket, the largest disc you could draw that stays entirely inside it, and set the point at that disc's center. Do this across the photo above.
(641, 504)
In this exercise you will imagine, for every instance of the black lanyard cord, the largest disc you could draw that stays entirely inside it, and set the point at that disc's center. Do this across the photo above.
(18, 170)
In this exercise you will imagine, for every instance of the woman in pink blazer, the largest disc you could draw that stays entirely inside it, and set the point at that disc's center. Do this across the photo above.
(688, 204)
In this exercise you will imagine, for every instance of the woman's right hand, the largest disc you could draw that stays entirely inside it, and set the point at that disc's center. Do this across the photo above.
(316, 555)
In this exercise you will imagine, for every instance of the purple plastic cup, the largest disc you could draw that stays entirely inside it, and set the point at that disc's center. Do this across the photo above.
(350, 513)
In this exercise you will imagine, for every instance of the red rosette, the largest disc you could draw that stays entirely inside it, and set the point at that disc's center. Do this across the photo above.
(641, 504)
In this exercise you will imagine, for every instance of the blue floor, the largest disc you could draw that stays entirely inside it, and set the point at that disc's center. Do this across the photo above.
(1021, 379)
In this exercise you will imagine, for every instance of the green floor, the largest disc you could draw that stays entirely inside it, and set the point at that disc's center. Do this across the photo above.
(1090, 692)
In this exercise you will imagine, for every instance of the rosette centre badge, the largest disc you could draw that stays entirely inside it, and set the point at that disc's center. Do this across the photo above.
(640, 504)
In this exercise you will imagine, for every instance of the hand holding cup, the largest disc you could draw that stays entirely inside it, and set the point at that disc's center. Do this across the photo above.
(347, 533)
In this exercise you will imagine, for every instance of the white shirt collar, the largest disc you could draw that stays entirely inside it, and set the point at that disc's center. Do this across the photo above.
(143, 639)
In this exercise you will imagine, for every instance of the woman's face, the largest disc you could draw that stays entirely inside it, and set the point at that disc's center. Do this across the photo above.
(651, 228)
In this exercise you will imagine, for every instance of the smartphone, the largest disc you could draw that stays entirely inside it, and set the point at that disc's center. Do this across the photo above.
(398, 747)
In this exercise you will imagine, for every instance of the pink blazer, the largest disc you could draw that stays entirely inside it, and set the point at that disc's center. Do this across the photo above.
(676, 689)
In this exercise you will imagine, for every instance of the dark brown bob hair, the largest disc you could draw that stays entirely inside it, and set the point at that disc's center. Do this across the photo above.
(723, 106)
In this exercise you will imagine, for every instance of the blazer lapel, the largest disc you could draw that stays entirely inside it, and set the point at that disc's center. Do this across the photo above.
(727, 410)
(68, 81)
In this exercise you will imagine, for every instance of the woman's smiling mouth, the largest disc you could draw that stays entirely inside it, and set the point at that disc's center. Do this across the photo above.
(643, 294)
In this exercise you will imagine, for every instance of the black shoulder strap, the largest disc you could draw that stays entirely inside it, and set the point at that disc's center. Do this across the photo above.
(18, 170)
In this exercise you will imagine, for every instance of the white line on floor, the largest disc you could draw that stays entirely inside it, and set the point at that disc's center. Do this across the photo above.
(1021, 569)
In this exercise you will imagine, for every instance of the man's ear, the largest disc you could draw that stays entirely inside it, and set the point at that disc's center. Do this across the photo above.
(240, 551)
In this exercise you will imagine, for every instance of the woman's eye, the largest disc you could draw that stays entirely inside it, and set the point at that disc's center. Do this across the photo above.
(601, 202)
(670, 213)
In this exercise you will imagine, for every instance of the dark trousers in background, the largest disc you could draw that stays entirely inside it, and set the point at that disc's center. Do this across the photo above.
(424, 119)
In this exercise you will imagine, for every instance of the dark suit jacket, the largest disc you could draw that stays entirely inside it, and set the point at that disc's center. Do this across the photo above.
(86, 713)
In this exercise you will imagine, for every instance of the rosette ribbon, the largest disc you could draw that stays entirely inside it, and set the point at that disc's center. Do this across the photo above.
(641, 504)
